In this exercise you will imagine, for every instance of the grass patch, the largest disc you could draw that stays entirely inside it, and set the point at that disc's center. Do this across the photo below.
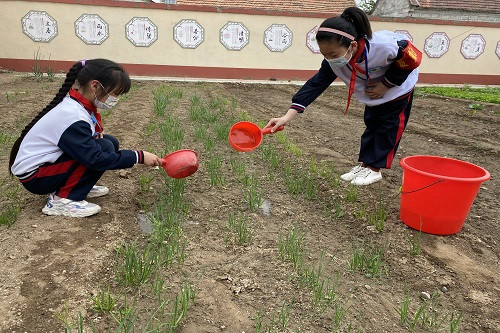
(367, 259)
(11, 201)
(487, 94)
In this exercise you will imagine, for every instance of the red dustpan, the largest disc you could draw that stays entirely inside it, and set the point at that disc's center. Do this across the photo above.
(246, 136)
(181, 163)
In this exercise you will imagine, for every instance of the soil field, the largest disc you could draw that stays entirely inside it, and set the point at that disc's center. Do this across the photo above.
(268, 241)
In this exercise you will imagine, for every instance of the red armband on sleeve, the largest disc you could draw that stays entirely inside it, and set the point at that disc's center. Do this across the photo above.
(410, 59)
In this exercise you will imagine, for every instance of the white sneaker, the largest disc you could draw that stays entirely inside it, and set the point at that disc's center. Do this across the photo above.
(98, 191)
(67, 207)
(352, 174)
(367, 177)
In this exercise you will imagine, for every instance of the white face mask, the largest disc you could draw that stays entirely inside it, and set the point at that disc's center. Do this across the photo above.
(336, 63)
(108, 103)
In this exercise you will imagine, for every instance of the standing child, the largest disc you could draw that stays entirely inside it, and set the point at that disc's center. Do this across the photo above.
(63, 150)
(381, 70)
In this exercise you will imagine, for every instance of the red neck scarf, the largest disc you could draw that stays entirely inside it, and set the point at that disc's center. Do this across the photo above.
(352, 62)
(89, 106)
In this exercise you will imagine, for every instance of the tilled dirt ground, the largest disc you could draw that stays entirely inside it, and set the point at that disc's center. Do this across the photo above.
(49, 264)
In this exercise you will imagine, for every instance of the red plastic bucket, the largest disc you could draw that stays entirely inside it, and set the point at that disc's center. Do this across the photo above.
(438, 192)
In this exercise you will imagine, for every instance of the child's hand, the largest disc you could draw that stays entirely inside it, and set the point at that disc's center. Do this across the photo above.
(376, 90)
(277, 122)
(151, 159)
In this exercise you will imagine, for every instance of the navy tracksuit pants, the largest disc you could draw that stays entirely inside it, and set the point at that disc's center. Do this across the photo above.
(66, 177)
(385, 124)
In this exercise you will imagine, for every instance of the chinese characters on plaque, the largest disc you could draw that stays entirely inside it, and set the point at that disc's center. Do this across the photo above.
(436, 45)
(498, 49)
(91, 29)
(472, 46)
(278, 38)
(39, 26)
(140, 31)
(406, 34)
(234, 36)
(188, 34)
(311, 42)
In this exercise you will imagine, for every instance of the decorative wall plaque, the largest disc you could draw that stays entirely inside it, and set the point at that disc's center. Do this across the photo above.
(39, 26)
(405, 33)
(234, 36)
(311, 42)
(436, 45)
(472, 46)
(91, 29)
(278, 37)
(140, 31)
(189, 34)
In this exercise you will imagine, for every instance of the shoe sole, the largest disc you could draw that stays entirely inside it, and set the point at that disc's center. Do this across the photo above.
(348, 179)
(96, 194)
(51, 212)
(368, 183)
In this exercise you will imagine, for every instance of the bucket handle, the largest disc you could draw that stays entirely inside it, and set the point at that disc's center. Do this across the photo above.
(422, 188)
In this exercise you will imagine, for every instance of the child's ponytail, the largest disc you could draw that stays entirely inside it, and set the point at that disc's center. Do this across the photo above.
(352, 21)
(68, 83)
(360, 21)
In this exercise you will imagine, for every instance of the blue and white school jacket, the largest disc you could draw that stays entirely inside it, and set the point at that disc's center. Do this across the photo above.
(382, 50)
(68, 129)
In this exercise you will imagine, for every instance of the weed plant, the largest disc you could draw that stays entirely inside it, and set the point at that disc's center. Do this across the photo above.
(134, 268)
(252, 194)
(184, 299)
(352, 193)
(290, 248)
(414, 242)
(11, 201)
(237, 166)
(49, 71)
(378, 216)
(429, 316)
(103, 301)
(200, 132)
(214, 167)
(37, 65)
(367, 259)
(239, 230)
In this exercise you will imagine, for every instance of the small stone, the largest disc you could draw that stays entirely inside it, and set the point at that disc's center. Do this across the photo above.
(367, 286)
(430, 140)
(444, 289)
(425, 296)
(34, 226)
(236, 289)
(123, 173)
(371, 228)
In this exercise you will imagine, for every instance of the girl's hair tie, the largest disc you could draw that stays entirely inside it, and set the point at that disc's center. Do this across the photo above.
(83, 62)
(338, 32)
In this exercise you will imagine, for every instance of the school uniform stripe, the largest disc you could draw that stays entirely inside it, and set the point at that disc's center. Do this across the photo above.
(55, 169)
(72, 181)
(24, 180)
(401, 128)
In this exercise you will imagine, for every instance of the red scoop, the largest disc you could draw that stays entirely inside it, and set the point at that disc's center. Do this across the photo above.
(181, 163)
(246, 136)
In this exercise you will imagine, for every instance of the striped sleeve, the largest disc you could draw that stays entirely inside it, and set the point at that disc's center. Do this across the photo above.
(139, 154)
